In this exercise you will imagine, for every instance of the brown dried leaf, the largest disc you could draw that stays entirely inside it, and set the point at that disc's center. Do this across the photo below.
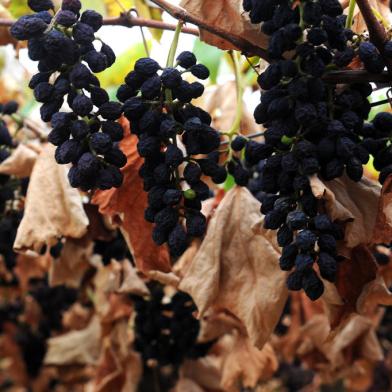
(187, 385)
(215, 324)
(166, 278)
(20, 163)
(76, 347)
(28, 267)
(223, 13)
(236, 268)
(354, 274)
(383, 227)
(205, 372)
(76, 317)
(53, 208)
(221, 102)
(352, 202)
(335, 352)
(381, 6)
(127, 204)
(373, 294)
(5, 35)
(246, 365)
(130, 282)
(74, 261)
(11, 359)
(110, 376)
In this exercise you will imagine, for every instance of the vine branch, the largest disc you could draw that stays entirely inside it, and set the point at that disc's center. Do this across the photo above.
(377, 33)
(240, 43)
(129, 21)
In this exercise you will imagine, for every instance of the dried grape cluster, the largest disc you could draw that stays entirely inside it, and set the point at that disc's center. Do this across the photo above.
(157, 102)
(12, 190)
(31, 339)
(312, 128)
(116, 249)
(68, 55)
(166, 330)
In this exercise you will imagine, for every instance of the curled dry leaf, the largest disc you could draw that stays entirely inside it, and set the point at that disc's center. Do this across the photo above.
(352, 202)
(111, 305)
(215, 324)
(119, 367)
(236, 268)
(373, 294)
(130, 282)
(383, 227)
(127, 204)
(28, 267)
(246, 365)
(11, 358)
(53, 208)
(381, 6)
(74, 261)
(187, 385)
(337, 353)
(5, 35)
(221, 102)
(76, 317)
(223, 13)
(20, 163)
(361, 269)
(120, 277)
(76, 347)
(168, 278)
(204, 372)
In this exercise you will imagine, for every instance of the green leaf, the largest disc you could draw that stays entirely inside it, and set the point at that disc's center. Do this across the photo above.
(210, 56)
(148, 12)
(375, 97)
(19, 8)
(96, 5)
(115, 7)
(229, 183)
(114, 76)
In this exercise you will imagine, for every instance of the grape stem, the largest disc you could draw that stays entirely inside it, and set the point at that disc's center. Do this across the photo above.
(251, 136)
(350, 15)
(174, 45)
(239, 87)
(168, 93)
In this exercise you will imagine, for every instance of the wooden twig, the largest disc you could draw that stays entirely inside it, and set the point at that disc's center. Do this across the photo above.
(240, 43)
(355, 76)
(128, 21)
(131, 21)
(377, 33)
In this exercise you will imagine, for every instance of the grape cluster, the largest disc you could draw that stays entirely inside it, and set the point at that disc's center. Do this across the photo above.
(53, 301)
(68, 55)
(31, 340)
(311, 127)
(372, 59)
(114, 249)
(157, 102)
(31, 343)
(12, 190)
(376, 139)
(166, 330)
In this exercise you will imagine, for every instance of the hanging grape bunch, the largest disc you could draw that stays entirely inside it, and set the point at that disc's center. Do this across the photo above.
(157, 102)
(311, 128)
(65, 46)
(166, 331)
(12, 190)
